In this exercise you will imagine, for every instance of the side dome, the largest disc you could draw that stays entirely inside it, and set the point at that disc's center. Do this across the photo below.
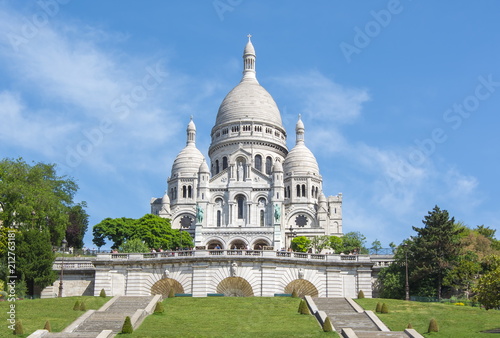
(189, 160)
(300, 160)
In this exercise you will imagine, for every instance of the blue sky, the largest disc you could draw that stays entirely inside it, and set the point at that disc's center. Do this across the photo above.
(400, 99)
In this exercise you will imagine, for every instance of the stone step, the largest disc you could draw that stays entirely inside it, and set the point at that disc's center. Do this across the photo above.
(115, 325)
(371, 334)
(72, 335)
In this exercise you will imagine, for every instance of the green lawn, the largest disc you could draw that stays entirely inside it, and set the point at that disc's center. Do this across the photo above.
(34, 313)
(230, 317)
(454, 321)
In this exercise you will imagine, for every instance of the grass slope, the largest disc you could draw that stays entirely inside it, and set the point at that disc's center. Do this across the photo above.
(230, 317)
(454, 321)
(34, 313)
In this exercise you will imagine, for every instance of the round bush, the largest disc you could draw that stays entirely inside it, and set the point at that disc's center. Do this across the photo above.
(361, 294)
(385, 308)
(327, 325)
(127, 326)
(433, 326)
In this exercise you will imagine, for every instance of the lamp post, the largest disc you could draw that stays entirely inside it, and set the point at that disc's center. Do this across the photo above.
(64, 242)
(292, 235)
(407, 285)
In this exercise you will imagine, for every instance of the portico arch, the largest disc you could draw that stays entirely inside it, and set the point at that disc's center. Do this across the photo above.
(163, 287)
(212, 244)
(238, 244)
(302, 287)
(235, 287)
(259, 244)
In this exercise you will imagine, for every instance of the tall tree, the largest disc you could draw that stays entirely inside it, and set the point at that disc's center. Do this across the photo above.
(78, 224)
(318, 243)
(354, 241)
(436, 249)
(300, 244)
(376, 246)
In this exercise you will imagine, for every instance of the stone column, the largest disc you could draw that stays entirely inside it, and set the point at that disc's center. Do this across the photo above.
(334, 283)
(268, 281)
(200, 280)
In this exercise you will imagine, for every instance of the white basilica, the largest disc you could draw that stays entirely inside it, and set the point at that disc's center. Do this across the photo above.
(255, 193)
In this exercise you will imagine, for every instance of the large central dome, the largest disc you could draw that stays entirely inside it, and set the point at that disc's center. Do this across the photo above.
(248, 100)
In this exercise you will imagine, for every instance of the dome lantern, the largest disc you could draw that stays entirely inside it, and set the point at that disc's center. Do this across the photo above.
(249, 61)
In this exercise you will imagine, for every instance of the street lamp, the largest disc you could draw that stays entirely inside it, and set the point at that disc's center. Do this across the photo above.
(64, 242)
(292, 235)
(407, 285)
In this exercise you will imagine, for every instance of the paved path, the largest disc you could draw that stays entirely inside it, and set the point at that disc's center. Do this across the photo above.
(111, 318)
(343, 315)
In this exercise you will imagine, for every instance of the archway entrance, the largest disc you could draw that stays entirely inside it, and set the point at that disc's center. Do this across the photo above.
(163, 287)
(302, 287)
(235, 287)
(238, 244)
(260, 244)
(212, 245)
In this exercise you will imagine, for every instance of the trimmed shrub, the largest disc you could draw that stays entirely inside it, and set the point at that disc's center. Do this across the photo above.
(102, 293)
(127, 326)
(159, 308)
(76, 307)
(409, 326)
(327, 325)
(47, 326)
(361, 294)
(303, 308)
(171, 293)
(83, 306)
(384, 309)
(294, 294)
(378, 308)
(433, 326)
(18, 327)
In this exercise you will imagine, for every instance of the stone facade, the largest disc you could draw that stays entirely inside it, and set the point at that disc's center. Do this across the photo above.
(255, 193)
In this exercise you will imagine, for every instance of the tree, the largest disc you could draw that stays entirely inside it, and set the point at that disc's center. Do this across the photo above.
(436, 249)
(464, 273)
(155, 231)
(336, 244)
(301, 244)
(392, 246)
(133, 245)
(488, 290)
(78, 224)
(354, 241)
(376, 246)
(318, 243)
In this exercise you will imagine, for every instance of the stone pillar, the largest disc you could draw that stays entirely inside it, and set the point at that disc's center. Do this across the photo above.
(365, 281)
(277, 237)
(334, 284)
(103, 281)
(268, 281)
(200, 280)
(136, 281)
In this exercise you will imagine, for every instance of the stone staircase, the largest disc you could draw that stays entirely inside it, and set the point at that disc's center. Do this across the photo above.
(350, 322)
(108, 320)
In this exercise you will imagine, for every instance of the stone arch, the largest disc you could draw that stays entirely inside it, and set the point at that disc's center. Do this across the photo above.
(163, 287)
(212, 243)
(260, 243)
(235, 287)
(238, 243)
(185, 221)
(302, 287)
(305, 219)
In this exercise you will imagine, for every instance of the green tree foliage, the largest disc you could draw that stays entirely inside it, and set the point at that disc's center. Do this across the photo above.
(392, 246)
(18, 327)
(171, 293)
(301, 244)
(83, 306)
(361, 294)
(435, 250)
(34, 259)
(133, 245)
(378, 308)
(354, 242)
(159, 308)
(488, 290)
(318, 243)
(336, 244)
(303, 308)
(155, 231)
(464, 273)
(78, 225)
(47, 326)
(76, 307)
(376, 247)
(384, 308)
(102, 293)
(327, 325)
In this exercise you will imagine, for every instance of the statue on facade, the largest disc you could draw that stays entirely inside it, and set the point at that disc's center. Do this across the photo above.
(199, 214)
(240, 171)
(277, 213)
(234, 266)
(301, 273)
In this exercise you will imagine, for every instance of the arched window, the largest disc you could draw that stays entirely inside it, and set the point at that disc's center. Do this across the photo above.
(312, 192)
(298, 190)
(240, 199)
(216, 167)
(288, 191)
(316, 192)
(285, 192)
(184, 191)
(258, 162)
(175, 193)
(262, 218)
(224, 162)
(189, 192)
(219, 218)
(269, 165)
(303, 190)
